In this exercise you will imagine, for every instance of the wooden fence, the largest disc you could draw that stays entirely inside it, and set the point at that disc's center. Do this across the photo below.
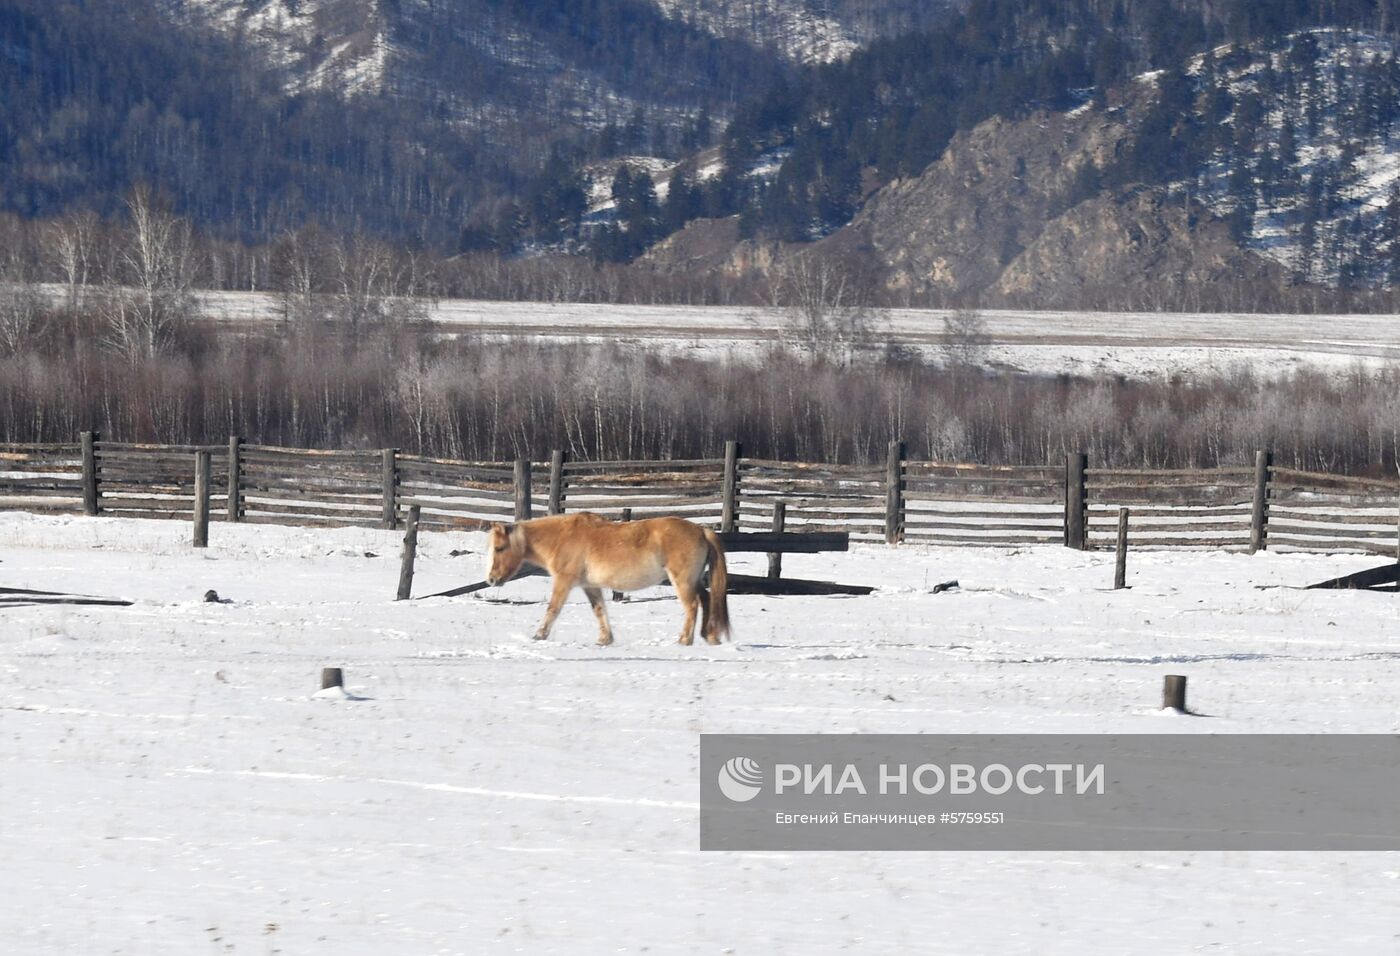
(1074, 504)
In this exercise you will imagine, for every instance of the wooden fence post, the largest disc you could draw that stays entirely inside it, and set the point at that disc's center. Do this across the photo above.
(1076, 502)
(332, 677)
(729, 518)
(775, 558)
(410, 554)
(894, 493)
(201, 499)
(522, 489)
(1120, 567)
(1174, 692)
(89, 441)
(1259, 516)
(235, 478)
(389, 469)
(556, 482)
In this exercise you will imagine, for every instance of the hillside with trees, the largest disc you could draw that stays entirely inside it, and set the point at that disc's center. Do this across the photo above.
(616, 131)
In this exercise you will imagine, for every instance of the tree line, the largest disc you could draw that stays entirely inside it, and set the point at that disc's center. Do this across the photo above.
(112, 344)
(319, 274)
(393, 382)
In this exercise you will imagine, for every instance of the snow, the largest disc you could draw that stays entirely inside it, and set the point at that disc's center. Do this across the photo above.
(600, 180)
(767, 165)
(1136, 344)
(799, 31)
(172, 784)
(286, 35)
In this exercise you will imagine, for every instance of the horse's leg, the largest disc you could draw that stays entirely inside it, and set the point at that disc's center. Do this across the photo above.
(600, 610)
(562, 587)
(703, 597)
(685, 590)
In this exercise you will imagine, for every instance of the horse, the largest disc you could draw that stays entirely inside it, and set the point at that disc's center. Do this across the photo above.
(586, 550)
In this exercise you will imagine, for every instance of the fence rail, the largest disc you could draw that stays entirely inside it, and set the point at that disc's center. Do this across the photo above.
(903, 501)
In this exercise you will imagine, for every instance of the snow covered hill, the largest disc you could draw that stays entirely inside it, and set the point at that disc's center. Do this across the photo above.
(339, 45)
(508, 65)
(800, 29)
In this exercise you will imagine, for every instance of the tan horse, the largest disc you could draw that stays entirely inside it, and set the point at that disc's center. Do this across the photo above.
(588, 551)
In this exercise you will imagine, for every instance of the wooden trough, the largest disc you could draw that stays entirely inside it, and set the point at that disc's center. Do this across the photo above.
(24, 597)
(1362, 580)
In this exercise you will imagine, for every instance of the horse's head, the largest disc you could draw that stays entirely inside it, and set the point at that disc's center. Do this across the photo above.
(505, 550)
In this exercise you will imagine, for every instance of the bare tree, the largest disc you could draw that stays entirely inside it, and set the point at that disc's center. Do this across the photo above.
(156, 266)
(828, 306)
(966, 341)
(374, 283)
(70, 242)
(300, 270)
(21, 305)
(361, 267)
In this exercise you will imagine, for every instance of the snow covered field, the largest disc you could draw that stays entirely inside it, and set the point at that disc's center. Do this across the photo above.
(170, 785)
(1118, 343)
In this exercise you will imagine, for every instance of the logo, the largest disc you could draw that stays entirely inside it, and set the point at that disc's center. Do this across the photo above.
(740, 779)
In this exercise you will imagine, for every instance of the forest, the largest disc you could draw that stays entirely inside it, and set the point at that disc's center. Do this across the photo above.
(892, 108)
(103, 96)
(393, 384)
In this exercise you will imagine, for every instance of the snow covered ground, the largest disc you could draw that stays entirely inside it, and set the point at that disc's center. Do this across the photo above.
(171, 785)
(1051, 342)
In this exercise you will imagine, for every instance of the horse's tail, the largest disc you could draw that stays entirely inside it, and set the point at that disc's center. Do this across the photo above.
(719, 587)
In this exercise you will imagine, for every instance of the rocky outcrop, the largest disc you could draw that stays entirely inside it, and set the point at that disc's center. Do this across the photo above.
(956, 227)
(712, 246)
(1013, 213)
(1129, 249)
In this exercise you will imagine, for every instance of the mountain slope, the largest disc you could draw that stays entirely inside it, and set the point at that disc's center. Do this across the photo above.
(1239, 174)
(1012, 214)
(1306, 165)
(102, 95)
(520, 71)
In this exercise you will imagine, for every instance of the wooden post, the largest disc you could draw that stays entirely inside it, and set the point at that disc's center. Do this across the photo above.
(729, 519)
(389, 469)
(1120, 568)
(410, 554)
(626, 516)
(1259, 516)
(332, 677)
(522, 489)
(235, 478)
(201, 499)
(1076, 502)
(89, 440)
(1174, 693)
(775, 558)
(894, 494)
(556, 482)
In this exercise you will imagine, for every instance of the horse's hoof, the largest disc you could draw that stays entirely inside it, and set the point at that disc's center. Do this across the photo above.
(686, 641)
(541, 637)
(603, 643)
